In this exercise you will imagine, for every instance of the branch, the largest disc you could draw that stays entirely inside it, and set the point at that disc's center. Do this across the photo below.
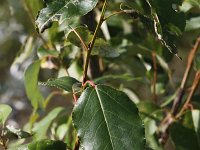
(193, 88)
(91, 44)
(181, 92)
(154, 76)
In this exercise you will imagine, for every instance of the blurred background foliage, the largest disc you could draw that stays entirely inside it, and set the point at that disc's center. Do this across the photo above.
(128, 36)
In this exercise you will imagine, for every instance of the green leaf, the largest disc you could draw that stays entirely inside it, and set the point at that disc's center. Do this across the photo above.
(168, 21)
(5, 111)
(60, 10)
(42, 52)
(196, 122)
(193, 24)
(197, 62)
(64, 83)
(12, 133)
(45, 145)
(107, 119)
(42, 126)
(34, 6)
(31, 85)
(101, 47)
(184, 138)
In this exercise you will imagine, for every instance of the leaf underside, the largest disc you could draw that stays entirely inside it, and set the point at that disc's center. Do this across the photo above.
(107, 119)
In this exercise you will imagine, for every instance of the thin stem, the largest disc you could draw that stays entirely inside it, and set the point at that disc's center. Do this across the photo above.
(181, 91)
(91, 44)
(115, 13)
(80, 38)
(154, 76)
(193, 88)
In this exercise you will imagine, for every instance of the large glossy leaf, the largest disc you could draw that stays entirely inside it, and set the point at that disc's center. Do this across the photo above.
(31, 85)
(43, 125)
(45, 145)
(5, 111)
(64, 83)
(107, 119)
(60, 10)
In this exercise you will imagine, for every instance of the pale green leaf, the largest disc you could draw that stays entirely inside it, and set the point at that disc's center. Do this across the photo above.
(31, 85)
(43, 125)
(5, 111)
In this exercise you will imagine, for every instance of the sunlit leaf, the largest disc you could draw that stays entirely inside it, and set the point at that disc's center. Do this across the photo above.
(5, 111)
(60, 10)
(41, 127)
(31, 85)
(107, 119)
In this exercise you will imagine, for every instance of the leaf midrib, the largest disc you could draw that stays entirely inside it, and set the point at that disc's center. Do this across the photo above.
(100, 102)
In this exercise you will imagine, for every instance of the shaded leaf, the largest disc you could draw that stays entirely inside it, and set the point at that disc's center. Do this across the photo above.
(31, 85)
(60, 10)
(100, 124)
(126, 77)
(197, 62)
(45, 145)
(101, 47)
(64, 83)
(184, 138)
(168, 21)
(12, 133)
(5, 111)
(41, 127)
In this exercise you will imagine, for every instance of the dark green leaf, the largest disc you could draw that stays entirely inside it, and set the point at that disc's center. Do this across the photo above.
(184, 138)
(107, 119)
(60, 10)
(31, 85)
(43, 125)
(45, 145)
(5, 111)
(197, 62)
(64, 83)
(168, 21)
(101, 47)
